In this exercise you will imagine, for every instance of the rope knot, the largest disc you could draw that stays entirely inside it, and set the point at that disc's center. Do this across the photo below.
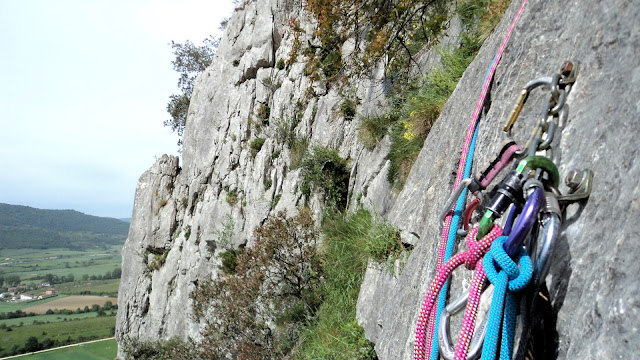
(497, 261)
(477, 248)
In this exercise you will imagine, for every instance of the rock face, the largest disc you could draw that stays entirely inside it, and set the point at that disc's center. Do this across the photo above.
(592, 277)
(179, 211)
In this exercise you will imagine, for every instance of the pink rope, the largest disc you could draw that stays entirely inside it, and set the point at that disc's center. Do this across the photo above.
(429, 322)
(475, 251)
(483, 95)
(470, 313)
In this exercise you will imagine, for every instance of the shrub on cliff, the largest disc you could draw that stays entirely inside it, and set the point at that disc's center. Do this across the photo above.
(257, 311)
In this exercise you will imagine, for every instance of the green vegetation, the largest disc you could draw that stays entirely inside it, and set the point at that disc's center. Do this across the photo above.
(20, 339)
(308, 291)
(155, 258)
(421, 107)
(297, 150)
(348, 108)
(229, 260)
(275, 200)
(6, 307)
(264, 111)
(26, 227)
(256, 146)
(33, 266)
(396, 31)
(276, 279)
(280, 64)
(101, 350)
(349, 241)
(373, 128)
(416, 104)
(92, 287)
(172, 349)
(225, 233)
(232, 197)
(324, 170)
(190, 61)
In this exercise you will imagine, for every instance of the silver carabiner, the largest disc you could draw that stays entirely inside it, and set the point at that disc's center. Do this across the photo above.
(444, 334)
(453, 198)
(551, 221)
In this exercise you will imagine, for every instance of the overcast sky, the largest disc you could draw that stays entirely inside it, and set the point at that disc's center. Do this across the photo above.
(83, 93)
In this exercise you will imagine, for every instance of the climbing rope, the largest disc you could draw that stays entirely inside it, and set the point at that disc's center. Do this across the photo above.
(451, 222)
(474, 253)
(507, 276)
(507, 265)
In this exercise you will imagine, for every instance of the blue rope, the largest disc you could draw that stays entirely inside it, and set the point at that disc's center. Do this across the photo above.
(453, 230)
(455, 221)
(507, 278)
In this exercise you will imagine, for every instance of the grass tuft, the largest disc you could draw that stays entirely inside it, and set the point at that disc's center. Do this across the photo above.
(349, 241)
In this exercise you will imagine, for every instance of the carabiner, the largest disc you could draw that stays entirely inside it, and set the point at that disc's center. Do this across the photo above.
(444, 334)
(528, 217)
(453, 198)
(543, 248)
(522, 99)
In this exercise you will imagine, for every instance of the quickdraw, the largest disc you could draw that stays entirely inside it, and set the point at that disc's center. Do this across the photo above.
(517, 258)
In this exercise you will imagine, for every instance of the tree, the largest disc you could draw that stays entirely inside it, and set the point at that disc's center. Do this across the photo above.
(190, 61)
(116, 273)
(12, 280)
(31, 344)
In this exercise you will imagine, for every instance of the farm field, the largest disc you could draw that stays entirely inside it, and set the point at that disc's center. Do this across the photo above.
(91, 287)
(32, 264)
(6, 306)
(70, 303)
(65, 332)
(100, 350)
(29, 320)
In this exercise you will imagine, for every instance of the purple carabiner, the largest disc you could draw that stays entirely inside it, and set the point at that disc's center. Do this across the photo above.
(525, 222)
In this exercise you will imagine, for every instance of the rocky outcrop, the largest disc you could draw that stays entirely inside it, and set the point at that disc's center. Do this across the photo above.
(225, 181)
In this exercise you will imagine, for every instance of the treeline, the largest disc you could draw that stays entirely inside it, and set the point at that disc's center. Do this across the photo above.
(57, 279)
(52, 279)
(27, 227)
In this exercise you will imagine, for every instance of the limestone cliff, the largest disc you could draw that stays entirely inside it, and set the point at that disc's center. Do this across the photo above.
(179, 210)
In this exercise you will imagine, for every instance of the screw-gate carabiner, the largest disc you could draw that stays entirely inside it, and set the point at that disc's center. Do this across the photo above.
(522, 99)
(543, 247)
(525, 222)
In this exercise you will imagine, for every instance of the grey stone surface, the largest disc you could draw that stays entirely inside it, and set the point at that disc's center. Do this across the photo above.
(592, 277)
(178, 211)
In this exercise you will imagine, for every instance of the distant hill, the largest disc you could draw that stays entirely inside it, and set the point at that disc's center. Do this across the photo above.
(128, 220)
(27, 227)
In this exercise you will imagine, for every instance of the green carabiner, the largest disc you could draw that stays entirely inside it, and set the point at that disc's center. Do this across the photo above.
(540, 162)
